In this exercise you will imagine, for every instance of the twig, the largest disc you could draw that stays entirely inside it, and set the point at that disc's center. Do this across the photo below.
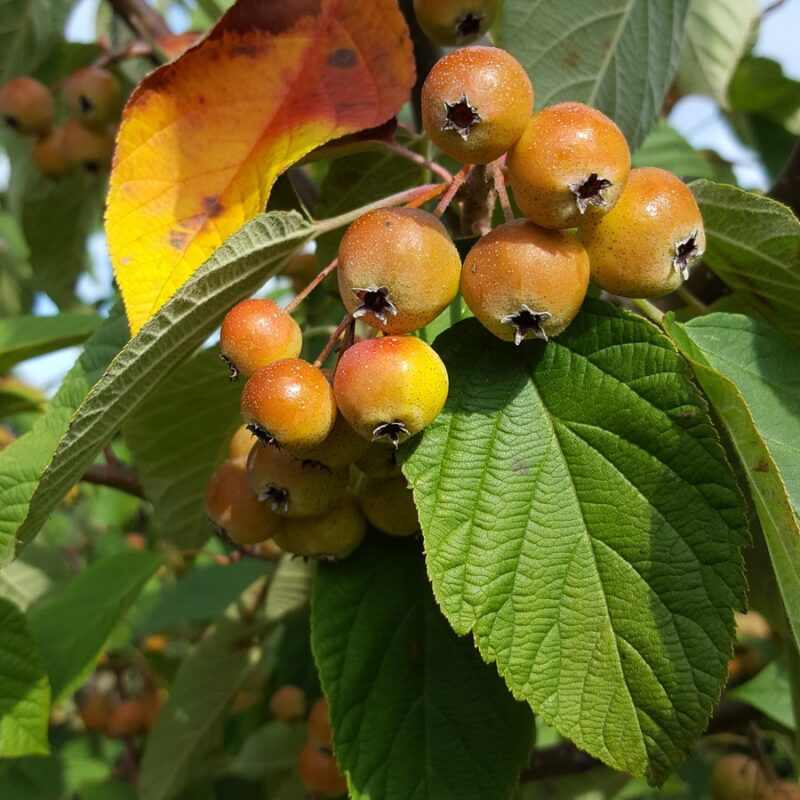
(455, 185)
(334, 337)
(115, 475)
(787, 187)
(311, 286)
(649, 310)
(500, 187)
(141, 18)
(416, 158)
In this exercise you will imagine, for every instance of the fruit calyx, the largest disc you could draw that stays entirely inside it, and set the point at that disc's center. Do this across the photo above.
(276, 497)
(526, 321)
(590, 192)
(262, 434)
(686, 253)
(468, 25)
(460, 117)
(394, 431)
(234, 376)
(375, 300)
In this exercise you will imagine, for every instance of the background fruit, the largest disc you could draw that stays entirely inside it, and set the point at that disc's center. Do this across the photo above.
(291, 487)
(453, 23)
(49, 153)
(320, 773)
(231, 505)
(389, 506)
(241, 442)
(127, 717)
(288, 703)
(319, 724)
(476, 103)
(93, 95)
(340, 448)
(390, 388)
(572, 161)
(290, 402)
(27, 106)
(380, 461)
(88, 149)
(739, 777)
(646, 244)
(94, 710)
(398, 269)
(255, 333)
(523, 281)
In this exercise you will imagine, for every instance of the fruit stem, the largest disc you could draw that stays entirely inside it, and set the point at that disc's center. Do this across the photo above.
(399, 199)
(416, 158)
(500, 187)
(691, 301)
(334, 337)
(650, 311)
(455, 185)
(311, 286)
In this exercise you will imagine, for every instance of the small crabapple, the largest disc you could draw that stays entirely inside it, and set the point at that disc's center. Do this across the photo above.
(255, 333)
(646, 245)
(88, 149)
(319, 772)
(330, 536)
(94, 709)
(49, 153)
(241, 443)
(27, 106)
(380, 461)
(302, 269)
(453, 23)
(127, 717)
(288, 703)
(291, 487)
(340, 448)
(234, 508)
(390, 388)
(93, 95)
(289, 402)
(737, 776)
(476, 103)
(389, 506)
(571, 161)
(398, 269)
(319, 724)
(521, 280)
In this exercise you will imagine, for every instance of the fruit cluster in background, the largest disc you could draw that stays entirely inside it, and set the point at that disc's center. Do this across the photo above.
(92, 98)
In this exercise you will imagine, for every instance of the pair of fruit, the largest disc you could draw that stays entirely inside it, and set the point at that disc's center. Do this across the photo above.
(568, 166)
(319, 771)
(115, 717)
(92, 96)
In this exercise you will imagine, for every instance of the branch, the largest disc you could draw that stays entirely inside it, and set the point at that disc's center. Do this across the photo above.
(787, 188)
(141, 18)
(116, 475)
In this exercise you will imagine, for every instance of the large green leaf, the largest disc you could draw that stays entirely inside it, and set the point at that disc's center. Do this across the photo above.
(25, 337)
(753, 413)
(174, 463)
(24, 690)
(718, 33)
(439, 722)
(754, 246)
(664, 147)
(619, 56)
(770, 692)
(236, 270)
(581, 520)
(200, 695)
(72, 629)
(22, 462)
(270, 753)
(760, 87)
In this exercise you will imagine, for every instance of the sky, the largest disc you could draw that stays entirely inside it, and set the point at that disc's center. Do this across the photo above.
(697, 118)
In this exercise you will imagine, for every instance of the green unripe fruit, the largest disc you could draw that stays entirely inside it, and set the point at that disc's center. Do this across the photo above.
(380, 461)
(389, 506)
(454, 23)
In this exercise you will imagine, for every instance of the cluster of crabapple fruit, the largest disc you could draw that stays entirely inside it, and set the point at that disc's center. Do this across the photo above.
(319, 771)
(588, 216)
(93, 99)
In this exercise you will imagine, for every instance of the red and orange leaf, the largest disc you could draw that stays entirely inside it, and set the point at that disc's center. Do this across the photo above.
(204, 137)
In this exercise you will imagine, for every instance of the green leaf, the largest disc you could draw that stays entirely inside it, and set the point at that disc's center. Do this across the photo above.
(72, 629)
(16, 293)
(356, 180)
(770, 692)
(760, 87)
(234, 272)
(710, 343)
(26, 337)
(40, 572)
(33, 778)
(270, 753)
(754, 246)
(438, 721)
(718, 34)
(24, 690)
(203, 594)
(664, 147)
(619, 56)
(200, 695)
(27, 29)
(174, 463)
(22, 462)
(580, 519)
